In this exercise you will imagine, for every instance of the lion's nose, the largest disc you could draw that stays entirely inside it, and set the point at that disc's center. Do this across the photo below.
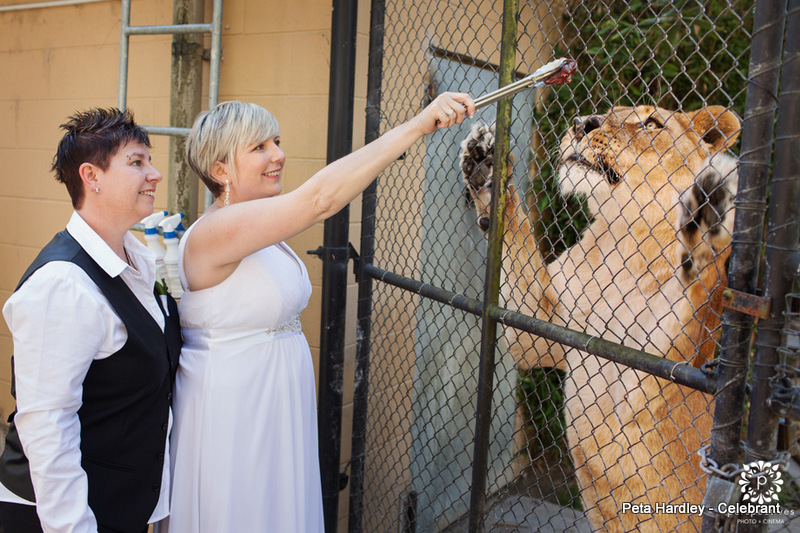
(583, 127)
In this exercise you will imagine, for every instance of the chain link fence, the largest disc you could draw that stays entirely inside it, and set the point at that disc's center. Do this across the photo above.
(612, 394)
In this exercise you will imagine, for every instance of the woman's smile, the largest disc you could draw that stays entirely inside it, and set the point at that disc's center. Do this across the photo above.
(273, 173)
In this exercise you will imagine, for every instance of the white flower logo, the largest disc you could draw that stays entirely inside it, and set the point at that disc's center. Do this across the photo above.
(760, 482)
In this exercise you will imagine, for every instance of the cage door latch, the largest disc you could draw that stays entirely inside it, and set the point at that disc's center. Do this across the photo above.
(748, 304)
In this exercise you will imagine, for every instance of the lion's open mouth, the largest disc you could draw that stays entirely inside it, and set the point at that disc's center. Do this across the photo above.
(600, 167)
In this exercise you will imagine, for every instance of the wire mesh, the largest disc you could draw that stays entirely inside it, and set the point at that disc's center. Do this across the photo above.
(622, 230)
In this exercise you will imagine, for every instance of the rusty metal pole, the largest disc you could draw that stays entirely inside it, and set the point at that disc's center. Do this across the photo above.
(751, 204)
(185, 103)
(491, 293)
(781, 245)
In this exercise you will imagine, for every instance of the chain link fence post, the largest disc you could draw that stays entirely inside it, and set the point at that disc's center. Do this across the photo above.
(781, 243)
(754, 166)
(483, 422)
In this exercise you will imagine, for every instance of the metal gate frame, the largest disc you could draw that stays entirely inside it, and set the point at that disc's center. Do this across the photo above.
(773, 64)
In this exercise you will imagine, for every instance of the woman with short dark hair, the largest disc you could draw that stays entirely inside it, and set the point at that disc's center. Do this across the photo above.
(95, 350)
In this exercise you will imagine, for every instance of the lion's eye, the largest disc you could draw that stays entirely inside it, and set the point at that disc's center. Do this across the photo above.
(653, 124)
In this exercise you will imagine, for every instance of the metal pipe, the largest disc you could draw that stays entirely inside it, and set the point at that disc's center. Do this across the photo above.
(364, 311)
(782, 232)
(53, 3)
(787, 410)
(455, 300)
(754, 164)
(165, 130)
(335, 256)
(472, 61)
(124, 46)
(491, 288)
(171, 29)
(216, 54)
(214, 71)
(680, 373)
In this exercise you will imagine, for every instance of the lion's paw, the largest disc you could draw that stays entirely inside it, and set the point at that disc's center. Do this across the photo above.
(477, 156)
(477, 167)
(706, 219)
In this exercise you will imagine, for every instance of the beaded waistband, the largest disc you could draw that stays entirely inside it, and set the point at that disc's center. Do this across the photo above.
(202, 338)
(292, 325)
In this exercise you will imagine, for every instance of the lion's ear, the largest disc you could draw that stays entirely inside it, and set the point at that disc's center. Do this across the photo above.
(717, 127)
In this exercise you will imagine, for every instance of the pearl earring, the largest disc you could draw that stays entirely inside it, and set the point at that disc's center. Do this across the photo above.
(227, 200)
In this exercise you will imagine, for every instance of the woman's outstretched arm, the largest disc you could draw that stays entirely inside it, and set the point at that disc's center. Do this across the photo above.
(223, 238)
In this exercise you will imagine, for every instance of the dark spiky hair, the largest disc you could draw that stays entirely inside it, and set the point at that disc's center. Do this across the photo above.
(93, 136)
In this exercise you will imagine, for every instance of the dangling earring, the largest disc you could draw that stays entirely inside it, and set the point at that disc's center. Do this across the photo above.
(227, 200)
(97, 189)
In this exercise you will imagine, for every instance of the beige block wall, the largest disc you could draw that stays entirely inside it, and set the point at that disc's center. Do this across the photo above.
(276, 54)
(61, 59)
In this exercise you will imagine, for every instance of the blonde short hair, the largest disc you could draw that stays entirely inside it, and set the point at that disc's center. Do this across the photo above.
(219, 133)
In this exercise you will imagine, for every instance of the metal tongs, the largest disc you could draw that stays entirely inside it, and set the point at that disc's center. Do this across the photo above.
(553, 73)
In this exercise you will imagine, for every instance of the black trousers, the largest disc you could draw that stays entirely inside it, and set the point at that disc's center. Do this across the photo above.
(19, 518)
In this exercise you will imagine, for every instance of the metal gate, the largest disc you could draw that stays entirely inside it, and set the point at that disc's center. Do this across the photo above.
(569, 370)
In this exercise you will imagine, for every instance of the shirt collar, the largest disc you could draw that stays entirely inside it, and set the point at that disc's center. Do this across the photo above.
(102, 253)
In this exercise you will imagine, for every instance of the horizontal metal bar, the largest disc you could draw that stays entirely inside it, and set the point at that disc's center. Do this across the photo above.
(452, 299)
(173, 29)
(471, 61)
(787, 410)
(52, 3)
(749, 304)
(680, 373)
(164, 130)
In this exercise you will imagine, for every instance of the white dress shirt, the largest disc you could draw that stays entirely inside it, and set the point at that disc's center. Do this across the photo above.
(60, 323)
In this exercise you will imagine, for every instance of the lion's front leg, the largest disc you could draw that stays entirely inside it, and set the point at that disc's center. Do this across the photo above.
(705, 228)
(528, 289)
(706, 220)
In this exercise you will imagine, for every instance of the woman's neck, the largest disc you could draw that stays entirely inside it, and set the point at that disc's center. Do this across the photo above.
(110, 231)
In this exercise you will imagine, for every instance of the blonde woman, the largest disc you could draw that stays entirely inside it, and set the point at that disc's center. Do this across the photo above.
(245, 437)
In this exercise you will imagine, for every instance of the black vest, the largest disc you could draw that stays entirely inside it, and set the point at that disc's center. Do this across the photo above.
(125, 410)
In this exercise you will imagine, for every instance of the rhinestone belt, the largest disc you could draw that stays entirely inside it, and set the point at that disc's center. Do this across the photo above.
(292, 325)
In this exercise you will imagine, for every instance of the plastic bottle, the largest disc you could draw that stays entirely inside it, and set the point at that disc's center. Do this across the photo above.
(169, 225)
(154, 242)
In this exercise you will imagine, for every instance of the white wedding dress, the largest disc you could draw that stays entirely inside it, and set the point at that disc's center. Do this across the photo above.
(244, 443)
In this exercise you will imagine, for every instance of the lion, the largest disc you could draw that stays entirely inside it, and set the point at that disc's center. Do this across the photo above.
(648, 273)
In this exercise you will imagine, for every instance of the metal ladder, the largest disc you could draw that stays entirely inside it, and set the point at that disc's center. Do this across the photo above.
(176, 177)
(126, 30)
